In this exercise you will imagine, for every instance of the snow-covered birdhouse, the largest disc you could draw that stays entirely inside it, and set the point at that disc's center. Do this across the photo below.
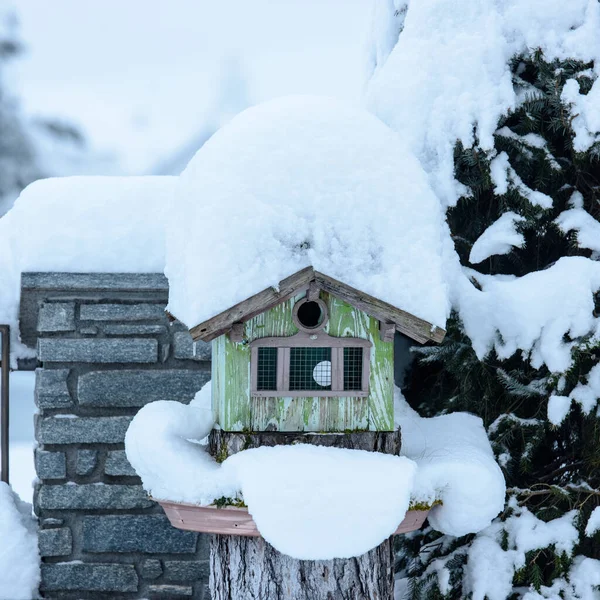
(305, 239)
(314, 354)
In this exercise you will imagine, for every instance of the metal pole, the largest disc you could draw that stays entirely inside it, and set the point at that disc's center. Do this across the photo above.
(4, 408)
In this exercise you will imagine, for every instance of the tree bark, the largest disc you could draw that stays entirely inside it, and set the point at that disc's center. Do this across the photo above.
(248, 568)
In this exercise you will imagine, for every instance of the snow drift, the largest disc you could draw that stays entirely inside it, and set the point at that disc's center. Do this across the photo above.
(19, 556)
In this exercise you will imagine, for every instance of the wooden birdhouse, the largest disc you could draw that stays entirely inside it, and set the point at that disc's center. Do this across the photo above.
(316, 355)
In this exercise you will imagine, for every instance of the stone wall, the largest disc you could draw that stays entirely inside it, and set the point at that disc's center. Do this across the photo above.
(106, 348)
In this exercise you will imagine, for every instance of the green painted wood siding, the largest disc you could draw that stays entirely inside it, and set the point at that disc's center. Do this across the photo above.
(237, 410)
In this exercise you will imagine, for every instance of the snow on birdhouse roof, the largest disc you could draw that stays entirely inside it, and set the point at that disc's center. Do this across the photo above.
(304, 182)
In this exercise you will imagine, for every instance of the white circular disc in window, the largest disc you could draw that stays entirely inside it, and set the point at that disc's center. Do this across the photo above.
(322, 373)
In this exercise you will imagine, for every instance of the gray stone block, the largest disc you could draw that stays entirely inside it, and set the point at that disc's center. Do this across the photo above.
(86, 461)
(122, 312)
(51, 389)
(117, 464)
(186, 571)
(134, 329)
(137, 387)
(203, 546)
(55, 542)
(56, 316)
(135, 533)
(172, 592)
(48, 523)
(82, 430)
(93, 330)
(130, 282)
(151, 569)
(92, 577)
(50, 465)
(186, 349)
(98, 350)
(92, 496)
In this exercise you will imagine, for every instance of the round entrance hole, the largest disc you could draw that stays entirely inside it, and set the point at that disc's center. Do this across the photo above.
(310, 314)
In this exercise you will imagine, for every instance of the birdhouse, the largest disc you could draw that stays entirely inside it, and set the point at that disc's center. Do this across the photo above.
(315, 355)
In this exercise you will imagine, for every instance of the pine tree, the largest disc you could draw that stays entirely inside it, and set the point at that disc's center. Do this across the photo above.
(550, 469)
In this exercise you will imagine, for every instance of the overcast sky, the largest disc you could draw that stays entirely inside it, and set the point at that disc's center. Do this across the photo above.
(141, 75)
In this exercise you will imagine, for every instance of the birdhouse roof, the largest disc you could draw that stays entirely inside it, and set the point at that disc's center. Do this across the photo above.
(417, 329)
(304, 189)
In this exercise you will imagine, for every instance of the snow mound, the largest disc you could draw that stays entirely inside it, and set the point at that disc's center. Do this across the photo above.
(302, 181)
(19, 556)
(587, 228)
(441, 71)
(490, 568)
(499, 238)
(533, 313)
(83, 224)
(314, 503)
(163, 445)
(318, 503)
(455, 464)
(593, 524)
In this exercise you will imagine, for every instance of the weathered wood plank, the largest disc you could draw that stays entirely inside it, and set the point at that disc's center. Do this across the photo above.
(231, 383)
(231, 520)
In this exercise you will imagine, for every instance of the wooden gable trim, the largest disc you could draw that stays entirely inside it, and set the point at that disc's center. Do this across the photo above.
(413, 327)
(259, 303)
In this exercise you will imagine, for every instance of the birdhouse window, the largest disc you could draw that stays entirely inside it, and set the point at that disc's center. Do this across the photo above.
(310, 365)
(353, 368)
(310, 369)
(267, 369)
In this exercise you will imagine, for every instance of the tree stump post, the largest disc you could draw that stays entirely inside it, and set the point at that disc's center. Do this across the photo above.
(248, 568)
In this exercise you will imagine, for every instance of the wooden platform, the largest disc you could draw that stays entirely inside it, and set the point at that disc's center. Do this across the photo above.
(231, 520)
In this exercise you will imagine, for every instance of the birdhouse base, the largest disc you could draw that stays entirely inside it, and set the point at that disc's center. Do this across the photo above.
(231, 520)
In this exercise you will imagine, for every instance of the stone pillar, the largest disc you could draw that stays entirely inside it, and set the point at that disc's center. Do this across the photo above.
(106, 349)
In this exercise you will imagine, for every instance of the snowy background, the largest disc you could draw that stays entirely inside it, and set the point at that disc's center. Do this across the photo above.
(509, 140)
(147, 83)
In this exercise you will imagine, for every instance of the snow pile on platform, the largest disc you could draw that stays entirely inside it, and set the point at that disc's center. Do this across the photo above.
(83, 224)
(19, 556)
(163, 444)
(304, 181)
(455, 464)
(318, 503)
(312, 502)
(446, 76)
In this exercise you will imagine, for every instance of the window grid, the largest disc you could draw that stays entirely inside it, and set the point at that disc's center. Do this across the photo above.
(266, 373)
(319, 371)
(353, 368)
(310, 369)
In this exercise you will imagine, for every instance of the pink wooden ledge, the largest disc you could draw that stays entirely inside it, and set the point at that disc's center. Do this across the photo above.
(231, 520)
